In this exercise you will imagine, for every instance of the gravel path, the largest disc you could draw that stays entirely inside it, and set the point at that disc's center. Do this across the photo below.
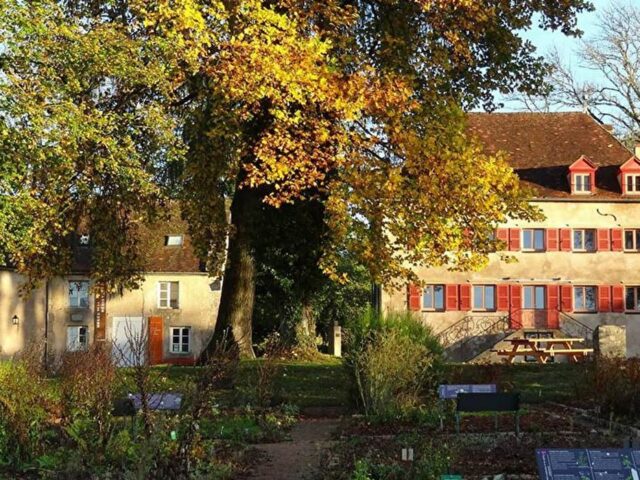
(299, 458)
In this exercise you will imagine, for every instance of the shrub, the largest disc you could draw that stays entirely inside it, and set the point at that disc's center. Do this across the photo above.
(25, 409)
(395, 362)
(615, 384)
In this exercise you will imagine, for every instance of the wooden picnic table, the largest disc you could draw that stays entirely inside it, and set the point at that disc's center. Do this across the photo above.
(551, 347)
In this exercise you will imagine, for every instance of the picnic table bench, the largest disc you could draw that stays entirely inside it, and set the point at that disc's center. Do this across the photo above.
(542, 353)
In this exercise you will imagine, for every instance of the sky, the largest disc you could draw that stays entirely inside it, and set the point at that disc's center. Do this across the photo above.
(546, 41)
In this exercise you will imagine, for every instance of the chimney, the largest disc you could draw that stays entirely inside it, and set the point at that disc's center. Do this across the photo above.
(636, 150)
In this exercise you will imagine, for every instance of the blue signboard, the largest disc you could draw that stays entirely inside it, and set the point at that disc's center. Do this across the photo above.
(588, 464)
(450, 392)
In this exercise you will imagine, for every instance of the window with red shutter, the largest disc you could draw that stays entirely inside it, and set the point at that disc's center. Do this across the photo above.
(604, 243)
(617, 298)
(566, 298)
(413, 297)
(553, 316)
(604, 298)
(553, 244)
(616, 239)
(452, 297)
(565, 239)
(503, 298)
(465, 297)
(515, 307)
(514, 239)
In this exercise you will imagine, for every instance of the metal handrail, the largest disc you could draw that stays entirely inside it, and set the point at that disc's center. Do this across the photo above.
(460, 329)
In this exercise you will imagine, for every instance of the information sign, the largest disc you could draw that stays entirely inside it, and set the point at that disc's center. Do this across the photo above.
(450, 392)
(588, 464)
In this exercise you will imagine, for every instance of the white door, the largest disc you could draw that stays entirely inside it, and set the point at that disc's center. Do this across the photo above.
(129, 341)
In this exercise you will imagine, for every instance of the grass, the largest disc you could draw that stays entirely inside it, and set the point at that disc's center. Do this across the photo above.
(536, 383)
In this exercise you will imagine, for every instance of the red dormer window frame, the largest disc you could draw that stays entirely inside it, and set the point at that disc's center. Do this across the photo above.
(630, 167)
(582, 167)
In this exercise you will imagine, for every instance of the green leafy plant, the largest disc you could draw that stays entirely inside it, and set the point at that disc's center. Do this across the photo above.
(395, 362)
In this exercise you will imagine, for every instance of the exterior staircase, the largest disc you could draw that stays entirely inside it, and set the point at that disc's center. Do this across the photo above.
(473, 338)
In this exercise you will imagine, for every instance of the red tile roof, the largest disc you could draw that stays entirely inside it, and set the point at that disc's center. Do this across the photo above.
(541, 146)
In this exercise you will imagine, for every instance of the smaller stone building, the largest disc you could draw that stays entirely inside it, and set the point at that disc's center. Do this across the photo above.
(175, 307)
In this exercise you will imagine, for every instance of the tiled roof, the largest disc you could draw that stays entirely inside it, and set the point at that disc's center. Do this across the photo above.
(541, 146)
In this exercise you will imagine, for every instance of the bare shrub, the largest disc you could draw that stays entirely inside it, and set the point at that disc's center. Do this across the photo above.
(615, 385)
(88, 380)
(267, 369)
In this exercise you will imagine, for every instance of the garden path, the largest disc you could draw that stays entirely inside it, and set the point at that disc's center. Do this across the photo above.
(299, 458)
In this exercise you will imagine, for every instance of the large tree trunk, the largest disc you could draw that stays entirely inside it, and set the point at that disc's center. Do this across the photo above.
(238, 286)
(306, 328)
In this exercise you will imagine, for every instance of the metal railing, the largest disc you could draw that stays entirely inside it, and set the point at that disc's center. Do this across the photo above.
(577, 328)
(473, 325)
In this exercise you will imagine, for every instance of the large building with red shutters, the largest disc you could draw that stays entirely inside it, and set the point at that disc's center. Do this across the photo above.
(577, 269)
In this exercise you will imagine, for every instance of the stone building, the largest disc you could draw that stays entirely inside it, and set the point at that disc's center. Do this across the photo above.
(175, 306)
(577, 269)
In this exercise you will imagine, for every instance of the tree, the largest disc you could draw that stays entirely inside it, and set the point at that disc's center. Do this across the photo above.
(611, 93)
(358, 104)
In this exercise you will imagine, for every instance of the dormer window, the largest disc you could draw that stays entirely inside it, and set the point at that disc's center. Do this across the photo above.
(582, 176)
(633, 183)
(581, 183)
(629, 176)
(173, 240)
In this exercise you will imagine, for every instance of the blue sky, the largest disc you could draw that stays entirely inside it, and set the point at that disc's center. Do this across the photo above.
(567, 46)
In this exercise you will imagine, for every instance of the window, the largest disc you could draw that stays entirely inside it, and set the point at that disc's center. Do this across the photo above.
(77, 338)
(83, 240)
(632, 299)
(79, 294)
(173, 240)
(582, 183)
(180, 339)
(632, 240)
(168, 295)
(433, 297)
(534, 297)
(484, 297)
(633, 183)
(584, 299)
(533, 239)
(584, 240)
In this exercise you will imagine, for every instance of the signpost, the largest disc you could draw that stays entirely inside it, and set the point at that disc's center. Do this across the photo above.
(588, 464)
(450, 392)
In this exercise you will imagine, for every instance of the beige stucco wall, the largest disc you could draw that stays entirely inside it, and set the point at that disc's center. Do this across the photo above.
(598, 268)
(199, 300)
(30, 312)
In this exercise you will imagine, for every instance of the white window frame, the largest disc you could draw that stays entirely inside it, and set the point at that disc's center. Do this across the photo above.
(434, 306)
(173, 240)
(584, 309)
(484, 307)
(636, 298)
(582, 184)
(178, 332)
(79, 345)
(635, 237)
(73, 286)
(635, 183)
(584, 235)
(164, 294)
(534, 298)
(533, 240)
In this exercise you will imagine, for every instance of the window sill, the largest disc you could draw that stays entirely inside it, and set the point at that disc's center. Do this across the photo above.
(181, 354)
(432, 310)
(586, 311)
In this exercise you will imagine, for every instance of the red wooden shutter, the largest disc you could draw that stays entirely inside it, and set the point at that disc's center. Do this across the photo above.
(514, 239)
(604, 243)
(565, 239)
(465, 297)
(553, 316)
(515, 310)
(503, 298)
(553, 245)
(567, 298)
(452, 297)
(616, 239)
(617, 298)
(604, 298)
(413, 297)
(502, 234)
(156, 352)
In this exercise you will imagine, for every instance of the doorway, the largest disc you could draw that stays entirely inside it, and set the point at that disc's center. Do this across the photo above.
(534, 301)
